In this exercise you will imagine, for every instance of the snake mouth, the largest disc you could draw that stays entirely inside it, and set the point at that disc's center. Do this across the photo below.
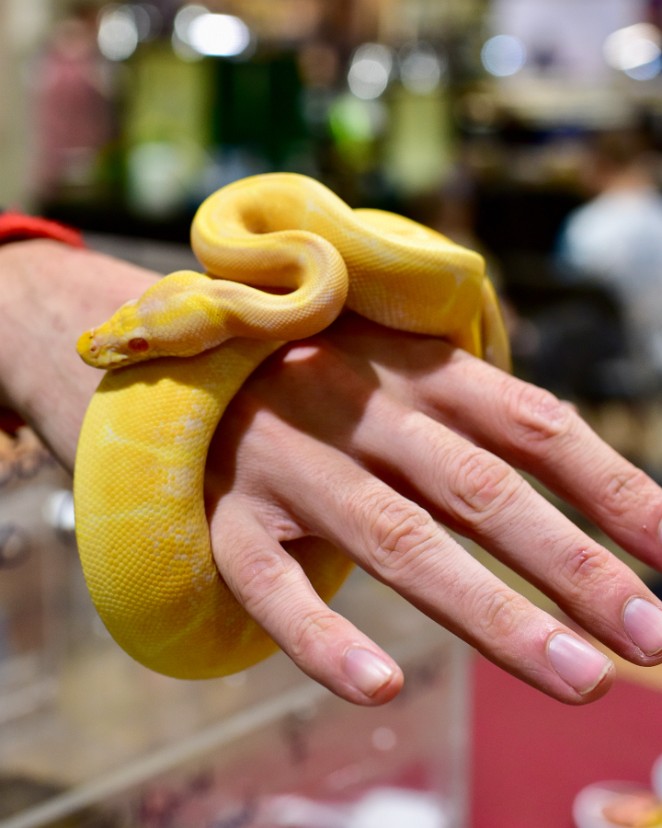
(110, 359)
(97, 354)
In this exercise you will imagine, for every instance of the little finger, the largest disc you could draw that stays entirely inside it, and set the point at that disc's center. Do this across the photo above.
(269, 582)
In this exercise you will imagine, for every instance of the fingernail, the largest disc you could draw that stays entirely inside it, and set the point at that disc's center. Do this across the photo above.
(643, 623)
(367, 671)
(577, 663)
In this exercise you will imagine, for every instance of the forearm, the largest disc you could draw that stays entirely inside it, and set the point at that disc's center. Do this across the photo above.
(49, 294)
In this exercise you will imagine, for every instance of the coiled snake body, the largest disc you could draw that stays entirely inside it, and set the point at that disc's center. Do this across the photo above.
(283, 257)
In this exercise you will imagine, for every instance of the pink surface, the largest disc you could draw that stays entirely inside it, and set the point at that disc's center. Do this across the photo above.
(532, 755)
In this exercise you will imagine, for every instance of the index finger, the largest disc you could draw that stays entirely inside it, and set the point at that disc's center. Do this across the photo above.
(530, 428)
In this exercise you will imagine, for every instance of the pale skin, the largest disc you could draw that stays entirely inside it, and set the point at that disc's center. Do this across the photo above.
(376, 440)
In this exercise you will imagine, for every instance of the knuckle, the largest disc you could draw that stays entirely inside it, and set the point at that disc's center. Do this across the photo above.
(301, 361)
(479, 485)
(259, 577)
(307, 632)
(401, 533)
(536, 417)
(623, 491)
(584, 564)
(589, 582)
(499, 613)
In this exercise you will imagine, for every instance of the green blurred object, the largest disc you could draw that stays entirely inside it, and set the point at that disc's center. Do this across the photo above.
(166, 129)
(257, 105)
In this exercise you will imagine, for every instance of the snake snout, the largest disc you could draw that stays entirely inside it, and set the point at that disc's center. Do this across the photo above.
(87, 347)
(93, 351)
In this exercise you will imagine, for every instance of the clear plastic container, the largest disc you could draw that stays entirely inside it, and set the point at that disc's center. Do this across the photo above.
(35, 559)
(117, 745)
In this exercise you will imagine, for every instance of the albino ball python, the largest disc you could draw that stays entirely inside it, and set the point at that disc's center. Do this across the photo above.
(283, 256)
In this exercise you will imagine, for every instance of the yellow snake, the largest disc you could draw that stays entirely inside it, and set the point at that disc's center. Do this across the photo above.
(283, 256)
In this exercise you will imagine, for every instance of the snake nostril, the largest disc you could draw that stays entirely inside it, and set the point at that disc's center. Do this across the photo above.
(138, 344)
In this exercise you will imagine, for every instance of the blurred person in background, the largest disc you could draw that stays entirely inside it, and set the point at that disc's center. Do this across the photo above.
(615, 240)
(73, 108)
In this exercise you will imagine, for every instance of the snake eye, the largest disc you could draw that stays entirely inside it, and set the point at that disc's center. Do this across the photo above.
(138, 344)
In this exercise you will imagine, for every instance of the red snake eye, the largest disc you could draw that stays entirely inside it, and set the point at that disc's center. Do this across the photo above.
(138, 344)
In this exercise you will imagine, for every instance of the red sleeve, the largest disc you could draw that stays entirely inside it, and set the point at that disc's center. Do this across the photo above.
(16, 226)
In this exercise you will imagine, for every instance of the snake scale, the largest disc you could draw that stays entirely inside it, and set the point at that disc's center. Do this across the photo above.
(283, 256)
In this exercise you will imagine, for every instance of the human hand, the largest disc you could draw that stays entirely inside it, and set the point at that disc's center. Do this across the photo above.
(359, 436)
(364, 437)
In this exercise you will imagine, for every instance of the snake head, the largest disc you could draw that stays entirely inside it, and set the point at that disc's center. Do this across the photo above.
(169, 319)
(120, 341)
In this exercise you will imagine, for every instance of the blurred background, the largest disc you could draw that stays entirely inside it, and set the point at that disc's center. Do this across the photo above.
(492, 120)
(531, 131)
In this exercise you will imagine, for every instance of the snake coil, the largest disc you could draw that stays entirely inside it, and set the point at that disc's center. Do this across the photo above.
(283, 256)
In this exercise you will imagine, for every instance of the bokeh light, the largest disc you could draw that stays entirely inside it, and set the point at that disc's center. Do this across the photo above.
(635, 50)
(370, 71)
(503, 55)
(207, 33)
(421, 68)
(118, 33)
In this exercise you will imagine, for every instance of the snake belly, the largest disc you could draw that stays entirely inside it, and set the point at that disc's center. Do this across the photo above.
(141, 525)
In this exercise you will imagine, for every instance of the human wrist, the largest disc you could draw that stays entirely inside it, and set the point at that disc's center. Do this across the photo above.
(37, 298)
(50, 293)
(18, 227)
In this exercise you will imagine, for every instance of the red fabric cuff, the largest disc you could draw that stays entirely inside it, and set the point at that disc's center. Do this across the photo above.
(19, 227)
